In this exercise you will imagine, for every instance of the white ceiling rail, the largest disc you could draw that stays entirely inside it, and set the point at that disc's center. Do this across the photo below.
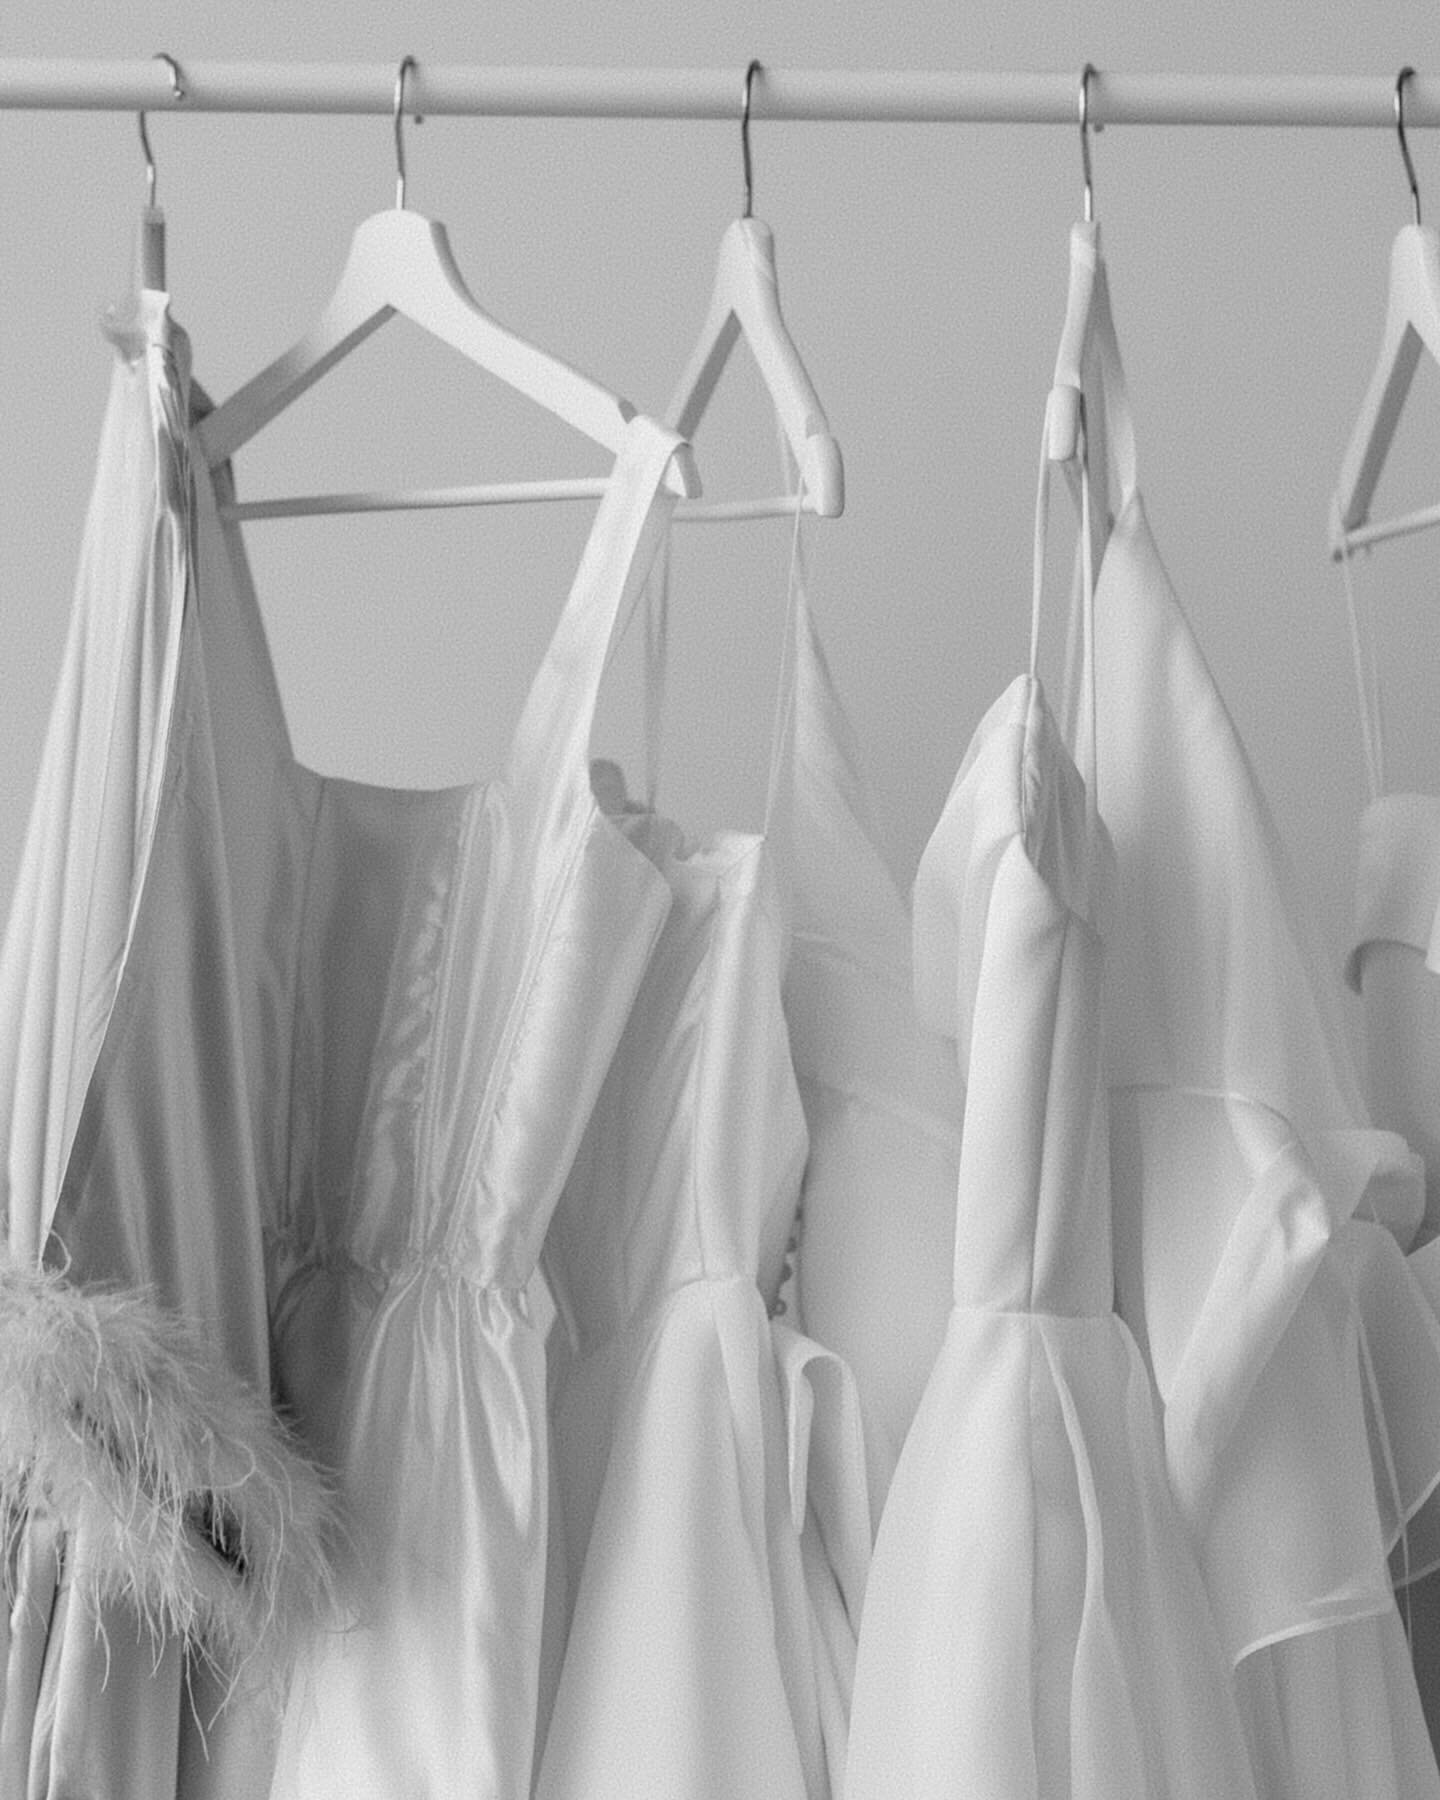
(938, 96)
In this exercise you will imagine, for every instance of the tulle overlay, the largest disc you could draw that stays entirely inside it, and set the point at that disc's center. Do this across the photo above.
(1034, 1624)
(1260, 1221)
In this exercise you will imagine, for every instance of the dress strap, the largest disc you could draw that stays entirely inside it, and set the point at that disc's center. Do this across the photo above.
(1085, 733)
(1367, 676)
(551, 748)
(779, 803)
(797, 641)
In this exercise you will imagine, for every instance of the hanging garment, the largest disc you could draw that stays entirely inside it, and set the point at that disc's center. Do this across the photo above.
(710, 1457)
(1251, 1204)
(425, 1126)
(374, 1024)
(1392, 967)
(882, 1095)
(163, 1537)
(1034, 1622)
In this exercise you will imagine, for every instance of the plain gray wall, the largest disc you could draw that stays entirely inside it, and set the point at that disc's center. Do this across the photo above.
(923, 270)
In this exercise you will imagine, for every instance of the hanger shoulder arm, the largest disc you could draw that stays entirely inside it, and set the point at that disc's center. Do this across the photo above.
(746, 300)
(1375, 428)
(250, 408)
(708, 358)
(1412, 325)
(539, 374)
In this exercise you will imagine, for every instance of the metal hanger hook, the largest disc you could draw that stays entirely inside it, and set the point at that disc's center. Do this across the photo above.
(750, 74)
(1400, 81)
(407, 63)
(177, 89)
(1086, 75)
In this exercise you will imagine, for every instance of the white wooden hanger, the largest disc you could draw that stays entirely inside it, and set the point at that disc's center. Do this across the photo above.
(401, 262)
(1088, 372)
(746, 298)
(1412, 324)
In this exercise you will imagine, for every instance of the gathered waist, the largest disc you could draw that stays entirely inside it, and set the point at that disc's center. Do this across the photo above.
(292, 1261)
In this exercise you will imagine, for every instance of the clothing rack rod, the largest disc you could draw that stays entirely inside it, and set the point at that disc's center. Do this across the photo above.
(960, 96)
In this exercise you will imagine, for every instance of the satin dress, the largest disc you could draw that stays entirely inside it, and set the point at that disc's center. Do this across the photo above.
(365, 1030)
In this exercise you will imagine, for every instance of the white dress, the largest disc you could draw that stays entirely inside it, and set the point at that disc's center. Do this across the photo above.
(1034, 1623)
(1393, 967)
(363, 1034)
(163, 1537)
(709, 1456)
(1251, 1196)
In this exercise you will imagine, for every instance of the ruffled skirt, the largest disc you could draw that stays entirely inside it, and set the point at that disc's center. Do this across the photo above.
(1035, 1626)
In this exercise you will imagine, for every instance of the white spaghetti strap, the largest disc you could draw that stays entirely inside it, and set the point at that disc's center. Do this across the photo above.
(782, 735)
(657, 663)
(1042, 531)
(1085, 733)
(551, 749)
(777, 826)
(1119, 421)
(1367, 677)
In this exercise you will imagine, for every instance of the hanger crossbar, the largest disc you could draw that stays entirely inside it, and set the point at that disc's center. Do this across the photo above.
(940, 96)
(501, 493)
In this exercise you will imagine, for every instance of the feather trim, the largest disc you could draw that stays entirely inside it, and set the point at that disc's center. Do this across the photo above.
(184, 1494)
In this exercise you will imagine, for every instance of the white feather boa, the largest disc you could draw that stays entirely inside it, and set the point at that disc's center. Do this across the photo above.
(192, 1502)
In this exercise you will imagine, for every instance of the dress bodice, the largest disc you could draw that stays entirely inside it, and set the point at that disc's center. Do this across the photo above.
(690, 1166)
(1009, 898)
